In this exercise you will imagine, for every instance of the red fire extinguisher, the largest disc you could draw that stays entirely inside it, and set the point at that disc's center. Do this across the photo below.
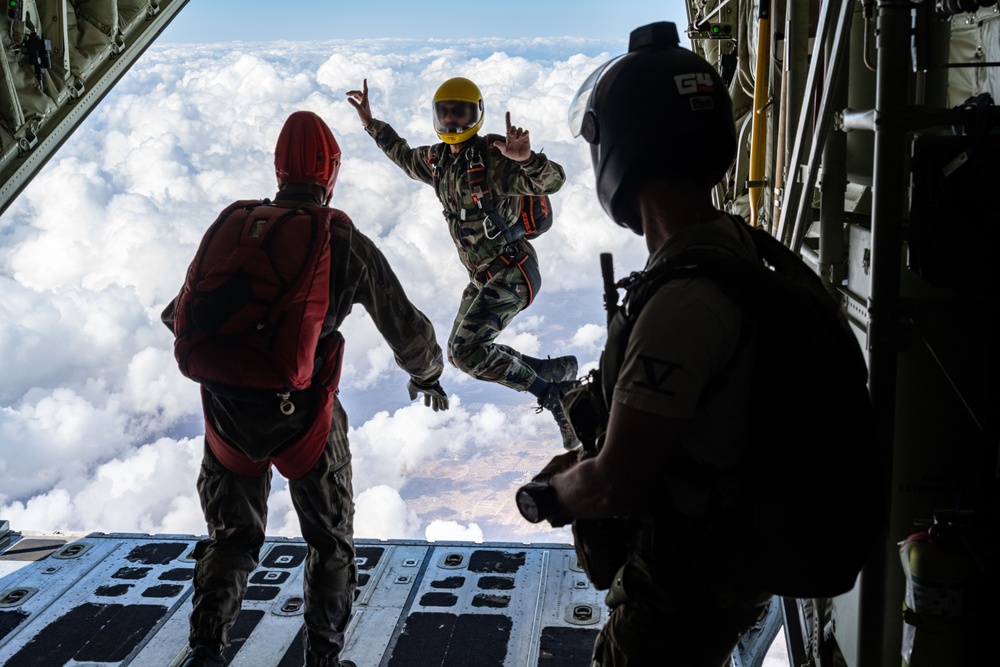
(937, 611)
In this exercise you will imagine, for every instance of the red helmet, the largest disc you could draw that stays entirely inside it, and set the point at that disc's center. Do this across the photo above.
(307, 152)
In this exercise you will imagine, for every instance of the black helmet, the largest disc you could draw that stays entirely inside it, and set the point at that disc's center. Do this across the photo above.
(659, 109)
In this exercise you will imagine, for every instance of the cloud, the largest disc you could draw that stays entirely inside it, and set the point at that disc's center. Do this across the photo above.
(148, 489)
(381, 513)
(452, 531)
(590, 337)
(98, 429)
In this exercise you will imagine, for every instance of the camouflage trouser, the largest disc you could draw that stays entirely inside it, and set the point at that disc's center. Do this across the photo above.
(685, 626)
(235, 509)
(485, 311)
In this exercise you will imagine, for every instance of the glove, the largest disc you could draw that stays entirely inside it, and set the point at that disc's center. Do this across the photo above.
(434, 396)
(559, 463)
(540, 493)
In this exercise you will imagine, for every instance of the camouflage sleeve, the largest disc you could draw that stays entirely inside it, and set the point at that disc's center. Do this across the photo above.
(406, 329)
(538, 175)
(414, 161)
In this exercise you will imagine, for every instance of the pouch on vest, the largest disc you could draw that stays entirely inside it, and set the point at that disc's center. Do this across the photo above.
(602, 547)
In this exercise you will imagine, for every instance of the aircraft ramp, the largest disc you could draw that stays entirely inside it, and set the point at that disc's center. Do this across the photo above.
(124, 599)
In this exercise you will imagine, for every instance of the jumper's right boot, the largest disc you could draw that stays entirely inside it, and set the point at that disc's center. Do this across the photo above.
(204, 655)
(551, 401)
(560, 369)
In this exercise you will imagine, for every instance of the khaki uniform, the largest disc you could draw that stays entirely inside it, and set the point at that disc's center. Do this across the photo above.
(503, 280)
(665, 609)
(235, 506)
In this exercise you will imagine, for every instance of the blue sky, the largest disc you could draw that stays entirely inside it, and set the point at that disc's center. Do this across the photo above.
(265, 20)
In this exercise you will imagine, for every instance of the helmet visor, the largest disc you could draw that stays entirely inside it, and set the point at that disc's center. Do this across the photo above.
(581, 101)
(452, 116)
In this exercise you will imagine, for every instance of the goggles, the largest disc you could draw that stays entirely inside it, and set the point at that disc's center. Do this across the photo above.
(456, 109)
(463, 114)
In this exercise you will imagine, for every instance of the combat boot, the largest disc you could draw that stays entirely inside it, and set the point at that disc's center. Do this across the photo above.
(339, 663)
(560, 369)
(550, 401)
(204, 654)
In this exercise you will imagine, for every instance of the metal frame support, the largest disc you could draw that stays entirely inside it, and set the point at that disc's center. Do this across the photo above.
(832, 262)
(18, 167)
(878, 640)
(835, 15)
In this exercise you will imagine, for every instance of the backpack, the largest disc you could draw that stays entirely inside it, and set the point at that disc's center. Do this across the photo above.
(536, 214)
(249, 317)
(811, 503)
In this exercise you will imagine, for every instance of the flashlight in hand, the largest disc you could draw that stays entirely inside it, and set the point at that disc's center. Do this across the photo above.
(536, 500)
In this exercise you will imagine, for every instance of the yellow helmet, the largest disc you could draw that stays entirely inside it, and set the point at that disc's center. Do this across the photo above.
(458, 110)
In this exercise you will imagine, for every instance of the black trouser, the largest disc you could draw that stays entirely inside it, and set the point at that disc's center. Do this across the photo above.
(235, 510)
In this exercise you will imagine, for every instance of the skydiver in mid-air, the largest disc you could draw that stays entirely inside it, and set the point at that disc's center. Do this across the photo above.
(503, 271)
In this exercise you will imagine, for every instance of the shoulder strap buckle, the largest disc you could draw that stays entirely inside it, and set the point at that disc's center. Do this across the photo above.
(474, 157)
(478, 196)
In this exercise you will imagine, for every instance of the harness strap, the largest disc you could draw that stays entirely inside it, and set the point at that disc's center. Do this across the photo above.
(477, 175)
(481, 192)
(504, 260)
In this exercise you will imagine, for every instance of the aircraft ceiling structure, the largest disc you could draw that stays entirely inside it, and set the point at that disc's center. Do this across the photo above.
(59, 58)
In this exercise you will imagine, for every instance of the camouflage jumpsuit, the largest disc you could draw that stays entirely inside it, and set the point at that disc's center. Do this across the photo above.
(503, 280)
(235, 505)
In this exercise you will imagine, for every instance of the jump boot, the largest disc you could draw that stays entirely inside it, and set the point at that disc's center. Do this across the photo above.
(204, 654)
(551, 401)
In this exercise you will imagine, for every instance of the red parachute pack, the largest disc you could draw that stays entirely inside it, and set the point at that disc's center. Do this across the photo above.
(250, 313)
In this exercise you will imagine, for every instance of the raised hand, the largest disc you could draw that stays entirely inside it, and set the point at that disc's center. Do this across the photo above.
(517, 147)
(359, 100)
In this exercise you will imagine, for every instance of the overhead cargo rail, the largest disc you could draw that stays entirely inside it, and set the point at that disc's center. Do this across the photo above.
(58, 60)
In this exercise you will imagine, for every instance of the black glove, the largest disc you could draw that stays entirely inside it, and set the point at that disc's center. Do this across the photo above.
(434, 396)
(559, 463)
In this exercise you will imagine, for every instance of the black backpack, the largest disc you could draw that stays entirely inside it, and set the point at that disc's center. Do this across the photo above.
(812, 501)
(536, 214)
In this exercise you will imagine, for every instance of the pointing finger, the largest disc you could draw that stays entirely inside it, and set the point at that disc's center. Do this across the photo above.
(508, 122)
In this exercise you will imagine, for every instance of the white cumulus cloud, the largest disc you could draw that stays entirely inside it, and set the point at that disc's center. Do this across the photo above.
(98, 429)
(452, 531)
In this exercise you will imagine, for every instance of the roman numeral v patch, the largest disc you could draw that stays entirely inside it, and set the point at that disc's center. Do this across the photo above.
(657, 373)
